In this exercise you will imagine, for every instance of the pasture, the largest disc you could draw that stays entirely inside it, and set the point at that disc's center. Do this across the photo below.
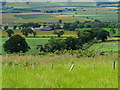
(34, 16)
(36, 71)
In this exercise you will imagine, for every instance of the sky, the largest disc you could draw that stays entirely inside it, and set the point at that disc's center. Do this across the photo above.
(60, 0)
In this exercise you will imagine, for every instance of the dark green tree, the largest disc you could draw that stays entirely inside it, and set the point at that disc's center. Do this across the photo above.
(16, 44)
(60, 21)
(26, 31)
(14, 27)
(5, 27)
(34, 33)
(73, 43)
(102, 35)
(58, 33)
(9, 32)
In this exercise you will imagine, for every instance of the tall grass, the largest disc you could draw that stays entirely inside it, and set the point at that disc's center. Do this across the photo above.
(22, 75)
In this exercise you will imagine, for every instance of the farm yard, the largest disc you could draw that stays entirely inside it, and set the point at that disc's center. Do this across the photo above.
(79, 51)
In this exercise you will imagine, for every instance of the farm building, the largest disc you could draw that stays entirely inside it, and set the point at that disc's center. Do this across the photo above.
(50, 22)
(47, 28)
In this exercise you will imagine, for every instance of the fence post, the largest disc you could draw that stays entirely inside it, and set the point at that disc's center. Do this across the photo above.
(52, 66)
(32, 66)
(114, 65)
(94, 66)
(72, 67)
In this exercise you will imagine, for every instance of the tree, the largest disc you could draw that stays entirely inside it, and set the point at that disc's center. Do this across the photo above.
(9, 32)
(112, 30)
(66, 26)
(16, 44)
(102, 35)
(78, 33)
(34, 33)
(73, 43)
(58, 26)
(5, 27)
(20, 27)
(58, 33)
(87, 25)
(52, 26)
(60, 21)
(14, 27)
(26, 31)
(97, 25)
(86, 36)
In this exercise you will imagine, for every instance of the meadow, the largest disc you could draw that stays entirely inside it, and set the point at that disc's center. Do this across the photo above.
(36, 71)
(34, 16)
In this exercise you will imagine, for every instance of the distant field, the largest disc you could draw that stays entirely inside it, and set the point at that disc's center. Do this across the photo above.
(64, 19)
(43, 33)
(101, 13)
(110, 45)
(52, 4)
(50, 33)
(34, 16)
(17, 5)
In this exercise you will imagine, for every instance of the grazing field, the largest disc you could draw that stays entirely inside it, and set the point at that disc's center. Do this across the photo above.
(36, 71)
(34, 16)
(64, 20)
(110, 45)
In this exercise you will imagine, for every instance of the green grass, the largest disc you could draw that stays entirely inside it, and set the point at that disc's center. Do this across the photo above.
(34, 16)
(16, 4)
(110, 45)
(83, 75)
(64, 20)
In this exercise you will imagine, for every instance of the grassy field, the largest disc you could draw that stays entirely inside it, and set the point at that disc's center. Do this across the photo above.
(110, 45)
(34, 16)
(36, 71)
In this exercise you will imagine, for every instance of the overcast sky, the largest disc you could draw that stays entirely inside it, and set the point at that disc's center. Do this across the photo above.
(60, 0)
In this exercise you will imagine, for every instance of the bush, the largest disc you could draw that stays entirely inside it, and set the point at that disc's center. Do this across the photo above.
(16, 44)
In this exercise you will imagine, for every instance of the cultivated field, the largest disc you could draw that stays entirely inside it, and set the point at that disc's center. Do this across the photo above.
(81, 13)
